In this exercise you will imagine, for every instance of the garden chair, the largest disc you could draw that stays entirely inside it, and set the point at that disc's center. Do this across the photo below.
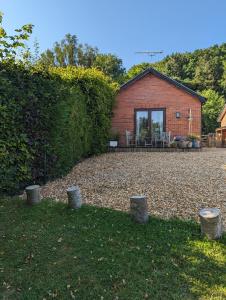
(148, 142)
(157, 139)
(165, 139)
(131, 140)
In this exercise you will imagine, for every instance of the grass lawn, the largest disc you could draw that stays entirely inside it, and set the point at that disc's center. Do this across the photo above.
(49, 251)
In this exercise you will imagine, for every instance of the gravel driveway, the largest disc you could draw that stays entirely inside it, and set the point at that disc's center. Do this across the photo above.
(177, 184)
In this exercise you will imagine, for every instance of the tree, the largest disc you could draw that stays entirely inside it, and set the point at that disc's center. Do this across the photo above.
(223, 80)
(47, 58)
(136, 69)
(208, 71)
(110, 65)
(10, 44)
(175, 66)
(87, 55)
(211, 110)
(68, 52)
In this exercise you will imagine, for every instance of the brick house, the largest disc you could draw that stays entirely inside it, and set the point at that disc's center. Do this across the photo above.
(221, 132)
(153, 103)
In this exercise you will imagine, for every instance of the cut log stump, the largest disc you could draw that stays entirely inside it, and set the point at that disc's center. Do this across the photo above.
(139, 209)
(211, 222)
(33, 194)
(74, 197)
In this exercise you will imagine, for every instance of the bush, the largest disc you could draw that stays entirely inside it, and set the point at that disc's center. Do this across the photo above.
(50, 120)
(25, 110)
(98, 92)
(211, 110)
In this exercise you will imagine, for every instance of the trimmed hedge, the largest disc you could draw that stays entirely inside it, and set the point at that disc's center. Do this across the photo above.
(49, 121)
(83, 118)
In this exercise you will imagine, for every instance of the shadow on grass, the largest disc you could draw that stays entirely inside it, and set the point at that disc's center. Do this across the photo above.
(50, 251)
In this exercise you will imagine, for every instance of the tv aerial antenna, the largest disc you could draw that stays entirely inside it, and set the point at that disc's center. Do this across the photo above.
(149, 53)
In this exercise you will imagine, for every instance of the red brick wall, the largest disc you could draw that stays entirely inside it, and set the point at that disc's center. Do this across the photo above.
(153, 92)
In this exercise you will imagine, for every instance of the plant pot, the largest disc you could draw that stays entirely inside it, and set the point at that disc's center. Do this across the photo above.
(197, 144)
(173, 145)
(183, 144)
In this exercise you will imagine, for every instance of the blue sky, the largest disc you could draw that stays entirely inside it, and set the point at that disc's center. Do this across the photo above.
(123, 27)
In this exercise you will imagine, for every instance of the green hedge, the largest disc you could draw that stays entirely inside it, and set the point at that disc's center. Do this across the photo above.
(49, 121)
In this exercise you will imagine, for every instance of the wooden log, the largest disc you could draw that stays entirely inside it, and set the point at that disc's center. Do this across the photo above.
(139, 209)
(211, 222)
(74, 197)
(33, 194)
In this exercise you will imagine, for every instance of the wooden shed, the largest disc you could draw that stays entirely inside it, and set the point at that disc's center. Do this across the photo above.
(221, 131)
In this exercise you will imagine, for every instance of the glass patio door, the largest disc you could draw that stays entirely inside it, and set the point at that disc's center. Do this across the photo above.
(150, 124)
(142, 125)
(157, 122)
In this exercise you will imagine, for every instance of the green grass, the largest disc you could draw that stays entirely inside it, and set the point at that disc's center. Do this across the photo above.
(50, 251)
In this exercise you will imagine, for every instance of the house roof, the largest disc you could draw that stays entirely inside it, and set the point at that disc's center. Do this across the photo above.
(222, 114)
(164, 77)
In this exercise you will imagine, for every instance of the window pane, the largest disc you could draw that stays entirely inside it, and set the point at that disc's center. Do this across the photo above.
(157, 121)
(141, 124)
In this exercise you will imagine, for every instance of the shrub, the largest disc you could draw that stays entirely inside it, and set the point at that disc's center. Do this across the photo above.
(26, 105)
(83, 116)
(50, 120)
(211, 110)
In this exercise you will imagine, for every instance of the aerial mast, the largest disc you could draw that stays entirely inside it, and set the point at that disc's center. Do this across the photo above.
(149, 53)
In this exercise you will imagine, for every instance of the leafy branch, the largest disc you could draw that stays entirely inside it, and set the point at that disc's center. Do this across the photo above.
(9, 44)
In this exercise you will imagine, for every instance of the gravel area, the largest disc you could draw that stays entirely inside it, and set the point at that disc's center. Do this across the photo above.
(176, 184)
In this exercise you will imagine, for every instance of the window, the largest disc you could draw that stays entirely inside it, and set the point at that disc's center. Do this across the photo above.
(177, 114)
(149, 122)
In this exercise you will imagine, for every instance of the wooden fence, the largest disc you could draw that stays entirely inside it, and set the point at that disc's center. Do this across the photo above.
(208, 140)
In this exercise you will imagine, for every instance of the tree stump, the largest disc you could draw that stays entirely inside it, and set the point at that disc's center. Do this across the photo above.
(211, 222)
(74, 197)
(33, 194)
(139, 209)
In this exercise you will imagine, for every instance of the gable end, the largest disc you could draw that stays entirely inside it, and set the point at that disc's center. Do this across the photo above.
(222, 114)
(166, 78)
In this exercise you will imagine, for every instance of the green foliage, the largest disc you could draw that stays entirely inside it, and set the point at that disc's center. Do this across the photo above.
(202, 69)
(211, 110)
(223, 79)
(208, 72)
(110, 65)
(26, 106)
(10, 44)
(83, 118)
(136, 69)
(71, 134)
(15, 159)
(49, 120)
(193, 137)
(86, 55)
(47, 58)
(68, 52)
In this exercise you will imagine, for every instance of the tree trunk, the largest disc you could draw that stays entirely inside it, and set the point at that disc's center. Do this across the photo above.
(33, 194)
(139, 209)
(74, 197)
(211, 223)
